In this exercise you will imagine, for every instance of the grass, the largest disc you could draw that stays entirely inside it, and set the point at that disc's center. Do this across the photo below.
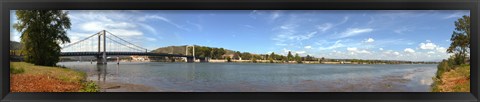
(61, 73)
(454, 80)
(15, 70)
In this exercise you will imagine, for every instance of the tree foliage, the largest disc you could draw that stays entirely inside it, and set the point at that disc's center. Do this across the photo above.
(41, 33)
(460, 40)
(290, 56)
(298, 58)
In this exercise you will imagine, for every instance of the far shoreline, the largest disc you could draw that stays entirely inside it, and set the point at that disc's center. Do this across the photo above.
(260, 62)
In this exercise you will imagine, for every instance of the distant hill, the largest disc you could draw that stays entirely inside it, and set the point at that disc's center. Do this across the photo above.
(171, 50)
(15, 45)
(181, 50)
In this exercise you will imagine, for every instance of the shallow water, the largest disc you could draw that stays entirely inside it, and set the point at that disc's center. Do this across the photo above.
(262, 77)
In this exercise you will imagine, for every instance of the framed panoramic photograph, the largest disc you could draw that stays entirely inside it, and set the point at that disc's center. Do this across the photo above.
(239, 50)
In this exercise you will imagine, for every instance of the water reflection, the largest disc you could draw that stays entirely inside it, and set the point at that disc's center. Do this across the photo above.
(240, 77)
(102, 75)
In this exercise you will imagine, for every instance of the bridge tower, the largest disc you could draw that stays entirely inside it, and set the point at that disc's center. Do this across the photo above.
(190, 59)
(102, 56)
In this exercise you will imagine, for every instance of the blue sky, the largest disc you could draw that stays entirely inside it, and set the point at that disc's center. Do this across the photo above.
(417, 35)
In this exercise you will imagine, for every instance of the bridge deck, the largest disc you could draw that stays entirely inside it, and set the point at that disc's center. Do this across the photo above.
(120, 54)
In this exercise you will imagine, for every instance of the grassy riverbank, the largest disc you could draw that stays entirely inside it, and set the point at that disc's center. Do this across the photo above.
(454, 80)
(26, 77)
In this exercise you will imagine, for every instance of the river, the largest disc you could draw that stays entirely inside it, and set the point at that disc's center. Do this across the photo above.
(261, 77)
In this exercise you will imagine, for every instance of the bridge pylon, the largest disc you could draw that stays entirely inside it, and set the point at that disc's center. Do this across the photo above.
(102, 57)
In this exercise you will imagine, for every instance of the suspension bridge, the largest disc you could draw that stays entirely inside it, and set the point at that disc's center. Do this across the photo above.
(101, 48)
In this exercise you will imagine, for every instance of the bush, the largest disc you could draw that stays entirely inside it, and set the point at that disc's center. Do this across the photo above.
(89, 87)
(229, 59)
(254, 60)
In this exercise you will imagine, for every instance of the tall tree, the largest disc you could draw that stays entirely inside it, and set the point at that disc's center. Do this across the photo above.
(289, 56)
(460, 40)
(298, 58)
(272, 56)
(41, 33)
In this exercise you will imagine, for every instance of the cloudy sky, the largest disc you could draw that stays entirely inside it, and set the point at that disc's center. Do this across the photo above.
(363, 34)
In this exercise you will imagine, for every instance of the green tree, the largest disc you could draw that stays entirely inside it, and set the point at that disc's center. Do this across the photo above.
(246, 56)
(229, 59)
(41, 33)
(272, 56)
(298, 58)
(322, 59)
(460, 40)
(308, 58)
(290, 56)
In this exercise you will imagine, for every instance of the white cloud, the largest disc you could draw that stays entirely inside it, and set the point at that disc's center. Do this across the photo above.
(381, 49)
(403, 29)
(288, 34)
(391, 52)
(280, 44)
(429, 46)
(300, 52)
(337, 44)
(430, 52)
(275, 15)
(369, 40)
(285, 51)
(352, 49)
(199, 27)
(355, 50)
(457, 14)
(396, 53)
(409, 50)
(151, 39)
(325, 27)
(308, 47)
(345, 19)
(166, 20)
(353, 32)
(441, 49)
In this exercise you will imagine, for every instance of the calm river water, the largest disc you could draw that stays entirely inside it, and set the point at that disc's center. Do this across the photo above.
(257, 77)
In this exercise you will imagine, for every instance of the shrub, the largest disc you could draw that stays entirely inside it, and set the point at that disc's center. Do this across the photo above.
(229, 59)
(89, 87)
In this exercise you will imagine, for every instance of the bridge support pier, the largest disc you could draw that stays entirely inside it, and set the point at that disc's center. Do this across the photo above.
(190, 60)
(204, 59)
(101, 60)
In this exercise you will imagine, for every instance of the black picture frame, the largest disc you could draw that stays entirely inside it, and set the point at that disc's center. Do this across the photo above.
(7, 5)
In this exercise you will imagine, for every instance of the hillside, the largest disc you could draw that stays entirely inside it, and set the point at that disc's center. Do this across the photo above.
(181, 50)
(15, 45)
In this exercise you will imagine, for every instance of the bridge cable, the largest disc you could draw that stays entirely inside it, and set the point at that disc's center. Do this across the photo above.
(123, 44)
(79, 41)
(125, 40)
